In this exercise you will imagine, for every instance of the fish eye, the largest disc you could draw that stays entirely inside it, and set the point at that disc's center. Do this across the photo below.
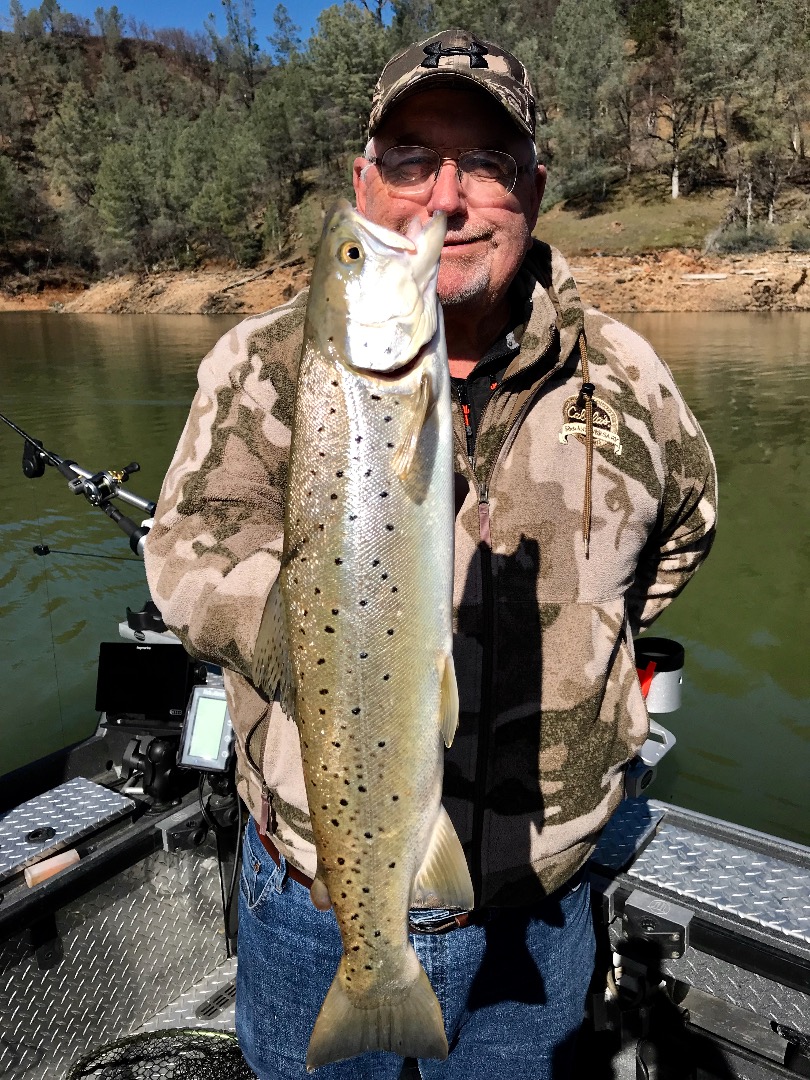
(350, 252)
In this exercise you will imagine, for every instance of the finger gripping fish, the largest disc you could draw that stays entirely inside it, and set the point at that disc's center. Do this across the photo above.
(357, 634)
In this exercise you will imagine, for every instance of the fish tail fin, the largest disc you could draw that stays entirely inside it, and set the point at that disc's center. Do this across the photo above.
(411, 1025)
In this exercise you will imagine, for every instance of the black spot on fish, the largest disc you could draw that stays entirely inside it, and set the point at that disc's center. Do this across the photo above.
(384, 577)
(375, 397)
(339, 472)
(363, 603)
(383, 494)
(355, 948)
(387, 419)
(333, 496)
(363, 655)
(344, 802)
(335, 611)
(390, 631)
(356, 712)
(336, 744)
(394, 588)
(395, 798)
(381, 743)
(375, 562)
(366, 889)
(390, 446)
(367, 472)
(389, 528)
(334, 381)
(338, 562)
(322, 712)
(317, 591)
(391, 865)
(355, 916)
(341, 860)
(334, 821)
(323, 690)
(368, 835)
(386, 678)
(360, 787)
(358, 438)
(369, 967)
(321, 660)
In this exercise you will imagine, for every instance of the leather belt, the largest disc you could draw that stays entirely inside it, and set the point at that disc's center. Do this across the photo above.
(292, 871)
(430, 925)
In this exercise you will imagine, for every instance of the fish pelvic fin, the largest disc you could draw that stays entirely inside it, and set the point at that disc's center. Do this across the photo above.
(418, 406)
(271, 657)
(411, 1025)
(443, 880)
(448, 700)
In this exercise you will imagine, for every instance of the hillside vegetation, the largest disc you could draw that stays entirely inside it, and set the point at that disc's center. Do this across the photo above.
(663, 123)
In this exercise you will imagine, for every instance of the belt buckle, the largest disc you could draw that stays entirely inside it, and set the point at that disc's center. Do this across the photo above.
(439, 923)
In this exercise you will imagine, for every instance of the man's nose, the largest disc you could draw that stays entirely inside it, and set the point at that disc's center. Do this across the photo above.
(447, 194)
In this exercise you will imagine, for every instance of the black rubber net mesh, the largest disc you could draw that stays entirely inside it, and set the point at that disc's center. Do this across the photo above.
(175, 1054)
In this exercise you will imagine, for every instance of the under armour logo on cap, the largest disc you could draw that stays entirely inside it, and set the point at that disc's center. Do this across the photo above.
(456, 56)
(474, 50)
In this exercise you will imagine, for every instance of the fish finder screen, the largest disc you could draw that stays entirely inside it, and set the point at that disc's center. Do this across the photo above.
(207, 738)
(207, 733)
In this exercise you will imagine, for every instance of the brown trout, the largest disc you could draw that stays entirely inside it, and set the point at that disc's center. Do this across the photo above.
(357, 635)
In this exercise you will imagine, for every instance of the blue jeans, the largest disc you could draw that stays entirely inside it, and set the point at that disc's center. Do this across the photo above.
(512, 990)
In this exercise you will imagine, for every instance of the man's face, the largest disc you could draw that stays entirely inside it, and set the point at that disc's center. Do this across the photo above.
(485, 245)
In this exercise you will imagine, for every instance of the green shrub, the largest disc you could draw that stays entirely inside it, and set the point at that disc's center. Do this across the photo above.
(737, 239)
(800, 240)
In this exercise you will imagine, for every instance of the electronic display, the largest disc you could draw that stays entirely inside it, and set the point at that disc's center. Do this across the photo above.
(207, 739)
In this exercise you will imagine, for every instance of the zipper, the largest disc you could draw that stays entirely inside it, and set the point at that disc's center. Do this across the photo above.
(486, 704)
(266, 814)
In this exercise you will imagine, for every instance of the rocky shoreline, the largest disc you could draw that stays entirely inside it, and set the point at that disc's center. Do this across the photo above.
(670, 280)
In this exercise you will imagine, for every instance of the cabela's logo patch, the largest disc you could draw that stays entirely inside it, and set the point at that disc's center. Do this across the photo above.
(605, 422)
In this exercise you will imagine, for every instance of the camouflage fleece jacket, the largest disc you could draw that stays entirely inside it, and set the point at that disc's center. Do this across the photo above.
(551, 709)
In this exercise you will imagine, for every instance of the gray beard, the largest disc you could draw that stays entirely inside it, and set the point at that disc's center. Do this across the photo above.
(475, 287)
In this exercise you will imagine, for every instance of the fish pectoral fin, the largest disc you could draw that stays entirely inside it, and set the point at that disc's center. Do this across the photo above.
(448, 700)
(418, 406)
(271, 658)
(444, 877)
(410, 1025)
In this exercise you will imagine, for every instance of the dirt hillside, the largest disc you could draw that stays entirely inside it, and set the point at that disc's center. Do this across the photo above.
(671, 280)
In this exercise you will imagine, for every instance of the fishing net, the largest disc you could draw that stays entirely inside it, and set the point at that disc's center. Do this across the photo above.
(174, 1054)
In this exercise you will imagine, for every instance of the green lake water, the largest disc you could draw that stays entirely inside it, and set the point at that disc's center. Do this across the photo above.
(105, 390)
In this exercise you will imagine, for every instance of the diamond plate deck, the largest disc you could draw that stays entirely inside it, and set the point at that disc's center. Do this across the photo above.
(741, 987)
(183, 1012)
(760, 889)
(72, 810)
(627, 833)
(131, 946)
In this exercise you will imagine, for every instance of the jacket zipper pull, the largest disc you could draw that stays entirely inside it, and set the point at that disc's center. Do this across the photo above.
(464, 402)
(264, 813)
(483, 517)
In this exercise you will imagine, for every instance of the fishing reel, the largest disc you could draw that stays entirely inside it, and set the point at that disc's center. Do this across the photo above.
(99, 488)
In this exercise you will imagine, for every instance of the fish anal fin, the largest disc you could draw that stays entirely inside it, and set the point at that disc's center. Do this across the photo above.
(271, 659)
(418, 405)
(444, 878)
(410, 1025)
(448, 700)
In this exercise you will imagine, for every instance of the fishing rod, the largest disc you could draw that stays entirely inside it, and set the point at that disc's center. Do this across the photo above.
(99, 488)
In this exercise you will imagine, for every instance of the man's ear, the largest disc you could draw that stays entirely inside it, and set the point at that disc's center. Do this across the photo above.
(540, 177)
(360, 163)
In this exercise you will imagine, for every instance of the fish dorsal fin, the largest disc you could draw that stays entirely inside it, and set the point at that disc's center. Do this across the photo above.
(448, 700)
(444, 878)
(418, 405)
(271, 657)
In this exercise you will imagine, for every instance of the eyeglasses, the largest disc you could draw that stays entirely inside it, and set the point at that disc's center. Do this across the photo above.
(413, 171)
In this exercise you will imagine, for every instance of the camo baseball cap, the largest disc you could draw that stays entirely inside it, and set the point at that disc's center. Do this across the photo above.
(454, 56)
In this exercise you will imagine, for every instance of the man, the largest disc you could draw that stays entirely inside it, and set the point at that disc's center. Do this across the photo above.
(585, 501)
